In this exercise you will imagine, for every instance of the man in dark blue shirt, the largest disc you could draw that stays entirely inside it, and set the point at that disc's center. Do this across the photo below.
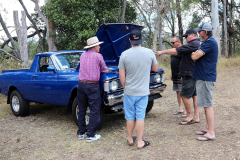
(205, 74)
(185, 71)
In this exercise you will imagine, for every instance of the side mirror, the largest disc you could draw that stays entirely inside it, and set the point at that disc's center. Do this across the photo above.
(51, 69)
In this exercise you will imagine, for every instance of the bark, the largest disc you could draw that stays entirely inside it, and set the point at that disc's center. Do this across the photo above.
(16, 39)
(215, 24)
(123, 11)
(50, 28)
(15, 49)
(158, 29)
(155, 35)
(22, 36)
(225, 48)
(161, 39)
(231, 30)
(1, 50)
(179, 16)
(34, 25)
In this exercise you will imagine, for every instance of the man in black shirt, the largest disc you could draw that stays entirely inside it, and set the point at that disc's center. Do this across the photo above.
(177, 81)
(185, 71)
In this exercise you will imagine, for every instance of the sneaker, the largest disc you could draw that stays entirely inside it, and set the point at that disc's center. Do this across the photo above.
(82, 136)
(96, 137)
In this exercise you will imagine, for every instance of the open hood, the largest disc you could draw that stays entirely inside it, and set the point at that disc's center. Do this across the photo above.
(116, 40)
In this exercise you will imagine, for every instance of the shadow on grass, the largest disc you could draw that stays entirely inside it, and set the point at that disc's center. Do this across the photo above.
(51, 112)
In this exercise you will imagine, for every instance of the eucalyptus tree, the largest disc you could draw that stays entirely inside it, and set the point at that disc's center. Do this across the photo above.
(76, 21)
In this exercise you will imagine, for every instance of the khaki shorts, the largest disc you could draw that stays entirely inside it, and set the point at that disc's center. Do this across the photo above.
(204, 92)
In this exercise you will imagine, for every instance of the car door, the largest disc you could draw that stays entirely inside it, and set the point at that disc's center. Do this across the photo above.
(44, 83)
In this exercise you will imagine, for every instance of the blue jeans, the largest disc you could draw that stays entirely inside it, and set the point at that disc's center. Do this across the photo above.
(88, 94)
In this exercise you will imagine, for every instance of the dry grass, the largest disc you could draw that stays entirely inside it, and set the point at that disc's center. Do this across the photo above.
(228, 63)
(50, 133)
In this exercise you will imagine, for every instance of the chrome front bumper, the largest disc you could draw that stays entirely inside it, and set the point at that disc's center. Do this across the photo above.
(113, 99)
(158, 88)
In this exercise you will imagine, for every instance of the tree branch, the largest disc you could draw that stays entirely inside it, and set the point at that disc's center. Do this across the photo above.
(1, 50)
(34, 25)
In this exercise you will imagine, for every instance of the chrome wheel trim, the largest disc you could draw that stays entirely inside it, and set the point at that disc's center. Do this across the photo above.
(15, 104)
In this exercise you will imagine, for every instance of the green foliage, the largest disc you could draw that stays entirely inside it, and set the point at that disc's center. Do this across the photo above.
(33, 48)
(77, 20)
(196, 19)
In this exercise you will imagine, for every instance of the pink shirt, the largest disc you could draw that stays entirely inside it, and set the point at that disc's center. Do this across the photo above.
(91, 65)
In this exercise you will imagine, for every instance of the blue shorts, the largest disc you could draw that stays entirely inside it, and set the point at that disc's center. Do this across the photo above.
(135, 107)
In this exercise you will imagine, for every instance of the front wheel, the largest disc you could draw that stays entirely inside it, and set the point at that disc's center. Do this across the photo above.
(19, 106)
(149, 106)
(87, 116)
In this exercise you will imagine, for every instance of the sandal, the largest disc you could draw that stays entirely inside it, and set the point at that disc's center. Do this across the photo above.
(134, 140)
(202, 132)
(146, 143)
(177, 112)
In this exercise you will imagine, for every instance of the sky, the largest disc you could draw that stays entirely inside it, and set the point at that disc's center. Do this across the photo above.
(6, 9)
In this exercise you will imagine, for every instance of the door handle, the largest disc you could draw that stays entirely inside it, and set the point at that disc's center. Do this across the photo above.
(35, 75)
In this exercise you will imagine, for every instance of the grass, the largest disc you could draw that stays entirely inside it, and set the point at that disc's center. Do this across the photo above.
(228, 63)
(49, 133)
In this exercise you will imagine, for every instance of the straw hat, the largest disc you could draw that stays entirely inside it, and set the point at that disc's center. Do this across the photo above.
(91, 42)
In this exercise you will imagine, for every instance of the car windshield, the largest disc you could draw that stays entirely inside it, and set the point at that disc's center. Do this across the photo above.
(68, 60)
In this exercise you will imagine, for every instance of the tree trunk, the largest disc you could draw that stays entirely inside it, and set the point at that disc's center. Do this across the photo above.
(22, 36)
(215, 24)
(161, 39)
(155, 34)
(225, 29)
(34, 25)
(160, 35)
(15, 49)
(179, 15)
(123, 11)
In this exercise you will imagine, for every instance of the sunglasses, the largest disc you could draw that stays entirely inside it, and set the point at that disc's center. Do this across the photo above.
(174, 42)
(187, 35)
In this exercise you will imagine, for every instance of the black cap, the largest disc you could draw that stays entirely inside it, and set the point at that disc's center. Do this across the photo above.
(136, 37)
(188, 32)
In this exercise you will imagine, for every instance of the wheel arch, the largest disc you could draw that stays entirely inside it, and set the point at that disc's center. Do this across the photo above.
(71, 99)
(12, 88)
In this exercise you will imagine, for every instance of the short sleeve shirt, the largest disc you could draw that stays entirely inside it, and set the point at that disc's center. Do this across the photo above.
(205, 67)
(187, 64)
(137, 62)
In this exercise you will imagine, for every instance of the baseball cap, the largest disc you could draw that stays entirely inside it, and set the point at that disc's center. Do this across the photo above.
(204, 27)
(188, 32)
(136, 37)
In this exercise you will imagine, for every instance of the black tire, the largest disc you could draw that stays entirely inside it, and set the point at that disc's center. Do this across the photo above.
(149, 106)
(75, 114)
(19, 106)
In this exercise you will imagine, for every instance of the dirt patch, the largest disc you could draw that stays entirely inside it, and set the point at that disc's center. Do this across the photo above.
(50, 133)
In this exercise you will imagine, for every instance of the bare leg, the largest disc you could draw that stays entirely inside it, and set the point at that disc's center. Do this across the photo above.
(209, 112)
(196, 109)
(188, 107)
(179, 101)
(130, 127)
(139, 130)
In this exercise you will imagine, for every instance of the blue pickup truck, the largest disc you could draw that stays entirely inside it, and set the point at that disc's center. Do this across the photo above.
(53, 77)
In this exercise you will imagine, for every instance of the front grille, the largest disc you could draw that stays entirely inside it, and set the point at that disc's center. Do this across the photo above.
(120, 88)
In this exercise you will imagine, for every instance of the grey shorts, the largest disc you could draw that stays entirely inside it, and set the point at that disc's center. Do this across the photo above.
(188, 87)
(204, 92)
(177, 87)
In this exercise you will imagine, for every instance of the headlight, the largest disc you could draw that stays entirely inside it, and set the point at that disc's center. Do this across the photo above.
(157, 78)
(106, 86)
(113, 85)
(163, 77)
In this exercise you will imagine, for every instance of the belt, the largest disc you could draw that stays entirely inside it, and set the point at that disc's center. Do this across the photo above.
(88, 81)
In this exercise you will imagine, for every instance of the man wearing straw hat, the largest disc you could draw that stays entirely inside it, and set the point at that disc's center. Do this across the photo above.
(88, 94)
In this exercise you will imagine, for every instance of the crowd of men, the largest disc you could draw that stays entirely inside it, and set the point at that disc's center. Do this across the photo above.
(193, 74)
